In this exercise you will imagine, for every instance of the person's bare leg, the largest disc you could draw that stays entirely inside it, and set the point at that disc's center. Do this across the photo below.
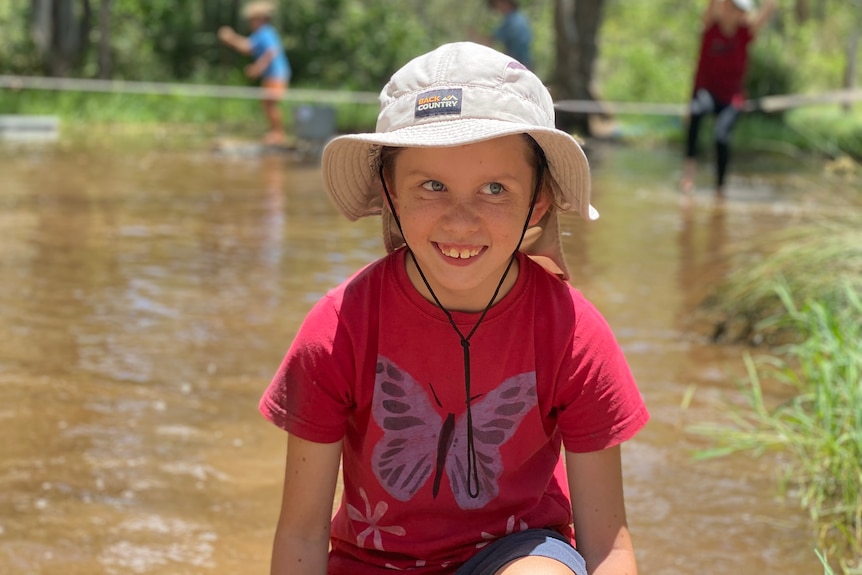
(534, 566)
(686, 184)
(275, 135)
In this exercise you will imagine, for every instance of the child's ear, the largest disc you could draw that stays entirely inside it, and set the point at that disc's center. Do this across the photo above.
(389, 186)
(544, 202)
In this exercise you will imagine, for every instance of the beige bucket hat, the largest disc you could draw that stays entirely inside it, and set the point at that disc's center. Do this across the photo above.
(261, 9)
(457, 94)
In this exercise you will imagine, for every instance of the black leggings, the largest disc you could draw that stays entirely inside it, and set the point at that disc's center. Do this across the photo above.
(703, 103)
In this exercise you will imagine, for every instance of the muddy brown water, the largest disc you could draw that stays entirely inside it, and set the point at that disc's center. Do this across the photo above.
(148, 293)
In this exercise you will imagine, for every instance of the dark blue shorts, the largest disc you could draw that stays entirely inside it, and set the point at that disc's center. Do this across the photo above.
(529, 543)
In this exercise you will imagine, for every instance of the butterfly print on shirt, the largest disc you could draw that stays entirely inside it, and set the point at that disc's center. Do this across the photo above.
(418, 442)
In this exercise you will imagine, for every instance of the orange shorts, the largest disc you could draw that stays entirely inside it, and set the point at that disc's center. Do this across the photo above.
(274, 89)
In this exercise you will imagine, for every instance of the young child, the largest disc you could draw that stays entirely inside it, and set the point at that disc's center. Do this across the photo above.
(448, 375)
(728, 29)
(514, 32)
(270, 63)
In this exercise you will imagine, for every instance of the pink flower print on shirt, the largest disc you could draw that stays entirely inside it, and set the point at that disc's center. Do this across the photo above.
(372, 520)
(419, 563)
(510, 528)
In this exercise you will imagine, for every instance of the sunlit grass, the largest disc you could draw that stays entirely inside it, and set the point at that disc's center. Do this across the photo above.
(820, 427)
(824, 130)
(100, 108)
(814, 262)
(829, 129)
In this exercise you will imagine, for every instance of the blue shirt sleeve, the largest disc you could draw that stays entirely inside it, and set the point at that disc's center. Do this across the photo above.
(264, 39)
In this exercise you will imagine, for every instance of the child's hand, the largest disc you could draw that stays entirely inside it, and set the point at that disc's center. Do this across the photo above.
(225, 33)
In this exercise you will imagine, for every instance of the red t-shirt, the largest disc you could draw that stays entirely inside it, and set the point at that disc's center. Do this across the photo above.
(722, 63)
(377, 365)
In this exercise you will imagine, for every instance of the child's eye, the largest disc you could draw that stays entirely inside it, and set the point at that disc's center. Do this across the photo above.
(494, 188)
(434, 186)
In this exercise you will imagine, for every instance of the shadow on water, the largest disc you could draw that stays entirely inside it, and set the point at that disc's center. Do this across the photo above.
(147, 296)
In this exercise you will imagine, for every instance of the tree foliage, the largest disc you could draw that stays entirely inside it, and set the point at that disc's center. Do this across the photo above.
(645, 49)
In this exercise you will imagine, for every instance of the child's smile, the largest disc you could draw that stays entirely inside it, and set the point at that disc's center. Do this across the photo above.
(462, 253)
(462, 211)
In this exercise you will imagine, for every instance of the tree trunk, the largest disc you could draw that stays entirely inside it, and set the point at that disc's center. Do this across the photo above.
(64, 40)
(106, 64)
(821, 10)
(577, 25)
(803, 11)
(60, 34)
(850, 64)
(84, 24)
(235, 10)
(42, 26)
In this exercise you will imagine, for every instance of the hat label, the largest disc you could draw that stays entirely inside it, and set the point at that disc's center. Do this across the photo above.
(438, 103)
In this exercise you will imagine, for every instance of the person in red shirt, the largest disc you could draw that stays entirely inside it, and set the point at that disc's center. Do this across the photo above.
(473, 401)
(729, 27)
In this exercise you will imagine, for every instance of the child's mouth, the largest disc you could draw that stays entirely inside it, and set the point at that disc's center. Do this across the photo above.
(459, 253)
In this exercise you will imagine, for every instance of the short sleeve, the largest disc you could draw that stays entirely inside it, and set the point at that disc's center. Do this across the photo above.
(257, 41)
(309, 396)
(598, 400)
(262, 40)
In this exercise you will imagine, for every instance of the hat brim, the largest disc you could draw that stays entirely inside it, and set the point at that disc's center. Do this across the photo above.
(349, 162)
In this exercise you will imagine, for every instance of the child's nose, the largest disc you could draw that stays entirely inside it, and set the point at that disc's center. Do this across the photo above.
(461, 215)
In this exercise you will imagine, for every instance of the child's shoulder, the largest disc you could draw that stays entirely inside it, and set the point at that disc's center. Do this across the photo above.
(367, 281)
(556, 296)
(350, 303)
(565, 318)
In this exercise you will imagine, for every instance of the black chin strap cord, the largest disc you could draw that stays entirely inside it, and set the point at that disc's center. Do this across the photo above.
(472, 468)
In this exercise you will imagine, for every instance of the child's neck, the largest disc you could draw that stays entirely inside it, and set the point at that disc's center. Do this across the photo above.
(474, 302)
(728, 28)
(729, 23)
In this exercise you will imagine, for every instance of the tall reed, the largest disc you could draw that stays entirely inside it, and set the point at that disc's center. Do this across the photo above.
(820, 426)
(814, 261)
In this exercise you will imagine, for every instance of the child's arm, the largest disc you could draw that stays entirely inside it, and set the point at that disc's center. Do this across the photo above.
(709, 14)
(601, 531)
(301, 545)
(256, 68)
(238, 42)
(763, 15)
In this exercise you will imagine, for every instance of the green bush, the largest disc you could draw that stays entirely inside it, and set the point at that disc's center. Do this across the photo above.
(769, 72)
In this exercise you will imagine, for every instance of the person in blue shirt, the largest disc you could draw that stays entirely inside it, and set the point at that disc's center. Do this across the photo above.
(514, 31)
(270, 63)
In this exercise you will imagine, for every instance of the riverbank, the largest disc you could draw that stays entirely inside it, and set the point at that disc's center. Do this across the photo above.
(160, 112)
(796, 295)
(828, 131)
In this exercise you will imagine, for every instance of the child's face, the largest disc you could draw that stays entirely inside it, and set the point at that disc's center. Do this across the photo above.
(495, 5)
(731, 15)
(462, 211)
